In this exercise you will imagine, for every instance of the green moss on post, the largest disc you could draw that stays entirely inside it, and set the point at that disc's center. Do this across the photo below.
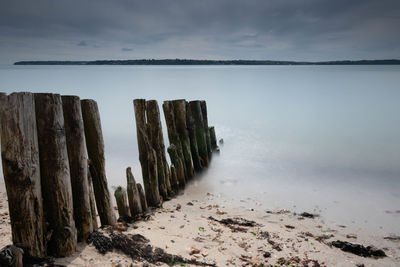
(199, 132)
(213, 137)
(177, 162)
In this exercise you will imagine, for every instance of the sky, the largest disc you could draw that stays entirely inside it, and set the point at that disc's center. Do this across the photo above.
(310, 30)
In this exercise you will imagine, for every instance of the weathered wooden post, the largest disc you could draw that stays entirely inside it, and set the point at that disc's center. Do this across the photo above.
(142, 196)
(147, 155)
(181, 127)
(122, 203)
(92, 202)
(133, 194)
(21, 169)
(213, 138)
(55, 174)
(192, 136)
(174, 179)
(203, 105)
(178, 165)
(173, 135)
(95, 148)
(157, 142)
(199, 131)
(76, 145)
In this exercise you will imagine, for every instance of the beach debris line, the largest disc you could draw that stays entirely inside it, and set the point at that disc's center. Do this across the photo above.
(235, 224)
(138, 248)
(358, 249)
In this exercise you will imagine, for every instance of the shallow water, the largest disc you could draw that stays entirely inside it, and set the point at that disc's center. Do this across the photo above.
(307, 138)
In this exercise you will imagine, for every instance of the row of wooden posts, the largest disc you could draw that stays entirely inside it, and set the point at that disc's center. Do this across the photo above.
(53, 160)
(191, 144)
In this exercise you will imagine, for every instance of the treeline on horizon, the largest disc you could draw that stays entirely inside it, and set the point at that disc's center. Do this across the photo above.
(210, 62)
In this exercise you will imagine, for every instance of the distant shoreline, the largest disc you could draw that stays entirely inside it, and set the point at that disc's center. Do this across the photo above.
(209, 62)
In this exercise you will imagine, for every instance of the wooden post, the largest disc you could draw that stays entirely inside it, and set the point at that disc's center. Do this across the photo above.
(203, 105)
(174, 179)
(21, 169)
(55, 174)
(122, 203)
(213, 138)
(181, 127)
(157, 142)
(95, 148)
(178, 165)
(173, 135)
(133, 194)
(192, 136)
(92, 202)
(142, 196)
(199, 131)
(148, 160)
(76, 145)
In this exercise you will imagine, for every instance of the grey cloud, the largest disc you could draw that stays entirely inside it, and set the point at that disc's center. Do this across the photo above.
(299, 29)
(82, 43)
(126, 49)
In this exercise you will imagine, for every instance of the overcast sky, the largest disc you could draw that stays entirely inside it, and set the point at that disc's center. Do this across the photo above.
(200, 29)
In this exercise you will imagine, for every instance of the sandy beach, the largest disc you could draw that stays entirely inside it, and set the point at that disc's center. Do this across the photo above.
(183, 227)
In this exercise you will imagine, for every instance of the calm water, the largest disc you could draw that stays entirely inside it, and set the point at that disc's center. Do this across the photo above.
(305, 138)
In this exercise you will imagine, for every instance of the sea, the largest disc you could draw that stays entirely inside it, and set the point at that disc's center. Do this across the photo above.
(320, 139)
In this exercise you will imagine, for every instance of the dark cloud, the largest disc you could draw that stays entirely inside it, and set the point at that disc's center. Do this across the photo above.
(126, 49)
(82, 43)
(274, 29)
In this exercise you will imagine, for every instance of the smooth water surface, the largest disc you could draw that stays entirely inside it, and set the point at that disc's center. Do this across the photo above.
(306, 138)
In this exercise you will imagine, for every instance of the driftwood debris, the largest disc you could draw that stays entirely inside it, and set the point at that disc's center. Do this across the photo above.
(135, 205)
(55, 174)
(122, 202)
(11, 256)
(138, 248)
(21, 168)
(77, 154)
(358, 249)
(147, 155)
(95, 148)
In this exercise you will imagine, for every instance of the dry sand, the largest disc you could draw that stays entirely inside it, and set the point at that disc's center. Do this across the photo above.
(188, 228)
